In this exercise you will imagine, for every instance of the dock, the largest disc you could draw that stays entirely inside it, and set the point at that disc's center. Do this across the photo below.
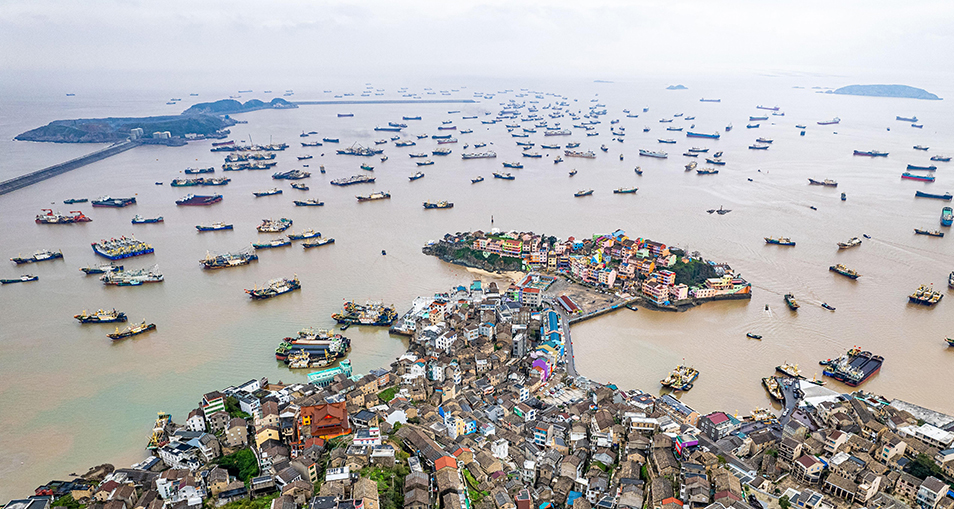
(603, 311)
(58, 169)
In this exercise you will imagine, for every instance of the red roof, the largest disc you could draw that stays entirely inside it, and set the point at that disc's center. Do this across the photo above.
(445, 462)
(717, 417)
(672, 500)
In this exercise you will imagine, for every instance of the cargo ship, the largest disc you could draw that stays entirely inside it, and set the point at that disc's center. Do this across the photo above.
(137, 219)
(791, 302)
(844, 271)
(371, 313)
(274, 225)
(49, 217)
(117, 249)
(930, 233)
(854, 367)
(589, 154)
(947, 216)
(479, 155)
(680, 379)
(438, 205)
(781, 241)
(945, 196)
(826, 182)
(26, 278)
(651, 153)
(274, 288)
(356, 179)
(922, 168)
(199, 171)
(943, 159)
(214, 227)
(311, 202)
(267, 192)
(198, 200)
(133, 330)
(919, 178)
(625, 190)
(101, 316)
(870, 153)
(100, 269)
(374, 196)
(830, 122)
(321, 346)
(40, 256)
(906, 119)
(852, 242)
(774, 389)
(107, 201)
(225, 260)
(71, 201)
(132, 277)
(318, 242)
(693, 134)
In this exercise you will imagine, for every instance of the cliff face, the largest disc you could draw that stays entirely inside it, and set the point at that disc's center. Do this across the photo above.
(228, 106)
(902, 91)
(461, 255)
(108, 130)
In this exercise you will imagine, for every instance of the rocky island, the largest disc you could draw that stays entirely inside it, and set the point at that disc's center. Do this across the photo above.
(902, 91)
(677, 87)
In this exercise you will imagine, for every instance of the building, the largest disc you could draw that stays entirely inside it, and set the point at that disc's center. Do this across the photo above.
(718, 425)
(931, 492)
(324, 421)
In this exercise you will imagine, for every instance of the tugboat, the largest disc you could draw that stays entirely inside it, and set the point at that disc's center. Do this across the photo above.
(137, 219)
(753, 336)
(791, 302)
(213, 227)
(274, 288)
(781, 241)
(227, 260)
(371, 313)
(852, 242)
(438, 205)
(585, 192)
(274, 226)
(318, 242)
(926, 295)
(311, 202)
(680, 379)
(134, 330)
(101, 316)
(930, 233)
(40, 256)
(26, 278)
(844, 271)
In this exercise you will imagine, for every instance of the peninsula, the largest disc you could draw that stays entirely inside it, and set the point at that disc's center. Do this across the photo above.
(902, 91)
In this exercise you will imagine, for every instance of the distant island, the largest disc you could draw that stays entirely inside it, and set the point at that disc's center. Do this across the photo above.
(602, 81)
(203, 120)
(677, 87)
(902, 91)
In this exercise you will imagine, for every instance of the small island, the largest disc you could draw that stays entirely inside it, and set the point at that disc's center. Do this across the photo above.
(901, 91)
(229, 106)
(677, 87)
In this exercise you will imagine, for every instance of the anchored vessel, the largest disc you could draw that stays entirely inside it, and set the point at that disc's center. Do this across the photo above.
(224, 260)
(197, 200)
(681, 378)
(844, 271)
(371, 313)
(925, 294)
(133, 330)
(852, 242)
(854, 367)
(274, 225)
(216, 226)
(318, 345)
(438, 205)
(49, 217)
(132, 277)
(117, 249)
(274, 288)
(40, 256)
(101, 316)
(781, 241)
(107, 201)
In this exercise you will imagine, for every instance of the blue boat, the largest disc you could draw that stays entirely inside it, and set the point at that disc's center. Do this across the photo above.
(691, 134)
(947, 216)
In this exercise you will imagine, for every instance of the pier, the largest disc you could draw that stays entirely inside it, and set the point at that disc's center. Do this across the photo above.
(57, 169)
(603, 311)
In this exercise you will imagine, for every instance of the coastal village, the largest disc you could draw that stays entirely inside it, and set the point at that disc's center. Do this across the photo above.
(485, 411)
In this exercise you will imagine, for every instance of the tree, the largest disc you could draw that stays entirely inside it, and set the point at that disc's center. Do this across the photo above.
(784, 503)
(923, 466)
(234, 410)
(242, 464)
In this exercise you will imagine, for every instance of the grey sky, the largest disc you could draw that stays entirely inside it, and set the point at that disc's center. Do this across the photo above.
(482, 37)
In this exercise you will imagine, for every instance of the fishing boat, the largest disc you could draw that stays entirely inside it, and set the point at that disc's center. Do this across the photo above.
(318, 242)
(625, 190)
(274, 226)
(291, 175)
(438, 205)
(946, 216)
(584, 192)
(573, 172)
(227, 260)
(589, 154)
(753, 336)
(513, 165)
(826, 182)
(945, 196)
(844, 271)
(275, 288)
(920, 178)
(680, 379)
(26, 278)
(844, 197)
(791, 302)
(758, 147)
(781, 241)
(921, 147)
(827, 306)
(370, 313)
(707, 171)
(907, 119)
(379, 195)
(132, 277)
(691, 166)
(774, 388)
(307, 234)
(107, 201)
(650, 153)
(216, 226)
(137, 219)
(416, 176)
(790, 370)
(638, 170)
(40, 256)
(870, 153)
(833, 121)
(49, 217)
(130, 331)
(100, 269)
(558, 160)
(926, 295)
(71, 201)
(367, 167)
(330, 140)
(479, 178)
(426, 162)
(667, 140)
(852, 242)
(930, 233)
(715, 160)
(481, 155)
(943, 159)
(193, 200)
(101, 316)
(752, 126)
(854, 367)
(690, 154)
(504, 176)
(279, 242)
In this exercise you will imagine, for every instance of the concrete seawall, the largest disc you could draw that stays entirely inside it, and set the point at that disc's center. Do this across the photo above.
(58, 169)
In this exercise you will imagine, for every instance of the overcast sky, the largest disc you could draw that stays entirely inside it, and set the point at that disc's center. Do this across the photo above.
(603, 38)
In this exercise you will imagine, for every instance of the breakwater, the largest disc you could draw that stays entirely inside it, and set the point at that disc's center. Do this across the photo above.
(57, 169)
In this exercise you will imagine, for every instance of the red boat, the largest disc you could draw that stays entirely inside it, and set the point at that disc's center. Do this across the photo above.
(48, 217)
(193, 199)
